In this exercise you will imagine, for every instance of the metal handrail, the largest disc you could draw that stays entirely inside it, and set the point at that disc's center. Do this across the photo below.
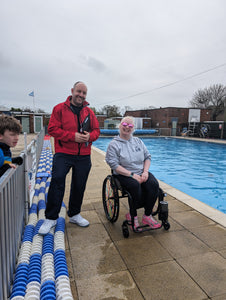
(14, 207)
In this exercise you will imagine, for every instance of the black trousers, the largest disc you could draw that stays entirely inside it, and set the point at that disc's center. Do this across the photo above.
(62, 163)
(143, 195)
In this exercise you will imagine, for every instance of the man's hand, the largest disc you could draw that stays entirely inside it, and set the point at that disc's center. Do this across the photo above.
(82, 137)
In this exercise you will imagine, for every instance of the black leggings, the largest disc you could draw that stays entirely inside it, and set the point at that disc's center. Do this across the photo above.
(143, 195)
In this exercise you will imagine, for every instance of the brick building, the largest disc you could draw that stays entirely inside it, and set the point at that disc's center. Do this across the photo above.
(101, 119)
(169, 117)
(31, 122)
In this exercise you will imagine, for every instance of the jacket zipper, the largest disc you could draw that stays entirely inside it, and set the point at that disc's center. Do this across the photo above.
(78, 120)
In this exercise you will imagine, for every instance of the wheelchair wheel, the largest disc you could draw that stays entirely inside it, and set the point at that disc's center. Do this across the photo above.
(166, 225)
(110, 199)
(125, 230)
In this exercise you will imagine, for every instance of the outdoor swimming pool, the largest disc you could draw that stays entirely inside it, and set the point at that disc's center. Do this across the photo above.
(195, 168)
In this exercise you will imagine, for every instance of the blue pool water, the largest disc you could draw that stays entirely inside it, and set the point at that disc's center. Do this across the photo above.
(195, 168)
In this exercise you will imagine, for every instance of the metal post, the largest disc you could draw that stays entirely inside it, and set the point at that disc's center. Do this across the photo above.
(222, 129)
(26, 204)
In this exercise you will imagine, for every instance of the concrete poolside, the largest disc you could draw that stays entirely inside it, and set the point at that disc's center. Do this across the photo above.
(186, 262)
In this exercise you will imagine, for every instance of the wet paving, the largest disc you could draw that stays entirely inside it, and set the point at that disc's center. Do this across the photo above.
(186, 262)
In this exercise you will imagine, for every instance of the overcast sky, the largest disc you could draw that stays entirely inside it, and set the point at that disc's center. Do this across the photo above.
(129, 53)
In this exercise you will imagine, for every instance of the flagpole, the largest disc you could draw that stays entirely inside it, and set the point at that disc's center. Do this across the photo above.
(32, 94)
(33, 100)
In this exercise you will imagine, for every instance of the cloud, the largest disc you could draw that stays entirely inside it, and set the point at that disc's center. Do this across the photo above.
(94, 64)
(4, 62)
(119, 48)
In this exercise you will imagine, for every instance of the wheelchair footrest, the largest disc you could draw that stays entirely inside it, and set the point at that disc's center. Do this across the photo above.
(139, 229)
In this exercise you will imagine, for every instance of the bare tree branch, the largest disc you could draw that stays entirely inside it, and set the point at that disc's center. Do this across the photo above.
(212, 98)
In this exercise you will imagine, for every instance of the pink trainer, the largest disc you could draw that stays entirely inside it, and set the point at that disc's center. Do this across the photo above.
(136, 223)
(149, 220)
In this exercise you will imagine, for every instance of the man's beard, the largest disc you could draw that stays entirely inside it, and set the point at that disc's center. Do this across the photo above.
(79, 102)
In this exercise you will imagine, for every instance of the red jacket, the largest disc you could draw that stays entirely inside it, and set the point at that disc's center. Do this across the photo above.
(63, 125)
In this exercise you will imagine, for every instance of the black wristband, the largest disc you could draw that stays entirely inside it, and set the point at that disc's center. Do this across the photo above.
(131, 174)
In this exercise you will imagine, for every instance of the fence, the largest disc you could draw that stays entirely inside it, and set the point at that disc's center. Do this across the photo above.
(15, 194)
(32, 153)
(209, 129)
(164, 131)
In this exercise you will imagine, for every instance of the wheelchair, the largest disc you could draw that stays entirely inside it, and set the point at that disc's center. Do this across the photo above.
(112, 191)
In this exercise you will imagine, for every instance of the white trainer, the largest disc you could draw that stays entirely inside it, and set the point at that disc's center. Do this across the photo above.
(79, 220)
(46, 226)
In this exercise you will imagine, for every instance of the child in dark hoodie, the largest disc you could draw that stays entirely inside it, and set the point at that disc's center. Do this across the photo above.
(10, 129)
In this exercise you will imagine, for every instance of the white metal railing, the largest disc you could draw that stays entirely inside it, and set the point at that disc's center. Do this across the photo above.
(32, 153)
(15, 194)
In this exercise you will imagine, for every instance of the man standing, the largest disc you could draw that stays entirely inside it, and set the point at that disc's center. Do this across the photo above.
(74, 127)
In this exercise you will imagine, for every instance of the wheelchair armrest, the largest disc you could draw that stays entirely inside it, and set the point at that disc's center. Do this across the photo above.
(117, 182)
(119, 187)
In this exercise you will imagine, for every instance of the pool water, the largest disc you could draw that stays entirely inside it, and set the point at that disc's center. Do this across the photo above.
(195, 168)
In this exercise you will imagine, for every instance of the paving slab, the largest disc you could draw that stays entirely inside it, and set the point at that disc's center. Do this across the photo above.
(88, 206)
(176, 206)
(118, 285)
(191, 219)
(82, 237)
(222, 253)
(96, 260)
(221, 297)
(91, 215)
(214, 236)
(115, 229)
(98, 205)
(208, 270)
(174, 225)
(182, 243)
(143, 251)
(166, 280)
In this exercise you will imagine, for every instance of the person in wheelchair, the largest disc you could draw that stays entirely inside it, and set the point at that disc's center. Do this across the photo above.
(130, 160)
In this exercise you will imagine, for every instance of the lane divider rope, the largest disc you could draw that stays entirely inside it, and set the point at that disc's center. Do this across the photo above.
(41, 271)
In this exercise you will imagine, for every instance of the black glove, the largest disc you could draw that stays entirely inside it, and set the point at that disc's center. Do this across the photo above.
(17, 160)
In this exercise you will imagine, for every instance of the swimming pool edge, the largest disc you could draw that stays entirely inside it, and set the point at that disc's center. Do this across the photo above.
(208, 211)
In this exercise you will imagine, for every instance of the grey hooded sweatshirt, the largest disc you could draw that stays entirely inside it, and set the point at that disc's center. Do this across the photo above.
(129, 154)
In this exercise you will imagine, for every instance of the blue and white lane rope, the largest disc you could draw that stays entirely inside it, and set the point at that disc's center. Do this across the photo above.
(42, 271)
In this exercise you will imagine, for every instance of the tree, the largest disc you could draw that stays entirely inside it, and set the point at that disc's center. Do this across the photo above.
(15, 109)
(111, 111)
(126, 108)
(39, 110)
(212, 98)
(27, 109)
(94, 110)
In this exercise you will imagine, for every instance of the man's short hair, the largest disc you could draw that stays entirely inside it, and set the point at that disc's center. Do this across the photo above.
(9, 123)
(78, 83)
